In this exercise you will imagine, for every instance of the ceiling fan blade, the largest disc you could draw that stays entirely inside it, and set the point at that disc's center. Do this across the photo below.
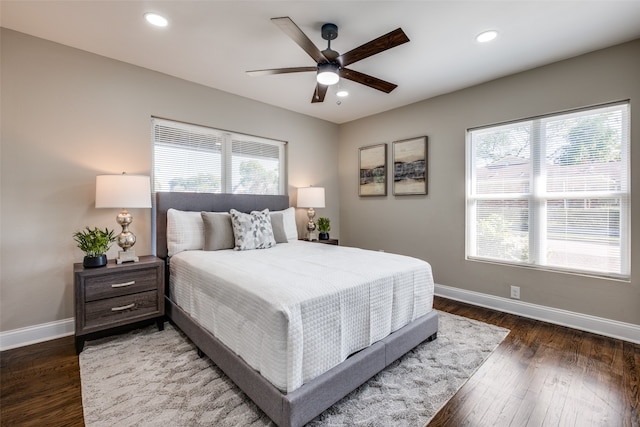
(367, 80)
(296, 34)
(382, 43)
(281, 71)
(319, 93)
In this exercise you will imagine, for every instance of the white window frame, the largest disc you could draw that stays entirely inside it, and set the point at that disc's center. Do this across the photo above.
(538, 196)
(227, 139)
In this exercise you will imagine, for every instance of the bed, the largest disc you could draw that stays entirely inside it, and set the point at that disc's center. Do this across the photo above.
(285, 317)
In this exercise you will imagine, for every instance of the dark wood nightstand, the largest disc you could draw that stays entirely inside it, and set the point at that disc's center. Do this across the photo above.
(117, 295)
(326, 242)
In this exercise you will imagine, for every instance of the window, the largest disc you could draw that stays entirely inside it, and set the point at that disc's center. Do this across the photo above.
(190, 158)
(552, 192)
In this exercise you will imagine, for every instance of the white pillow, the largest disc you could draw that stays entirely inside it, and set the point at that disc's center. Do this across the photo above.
(289, 219)
(185, 231)
(252, 231)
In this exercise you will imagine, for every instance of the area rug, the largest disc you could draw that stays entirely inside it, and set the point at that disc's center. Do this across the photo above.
(155, 378)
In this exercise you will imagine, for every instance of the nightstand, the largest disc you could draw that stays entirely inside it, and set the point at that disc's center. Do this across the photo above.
(117, 295)
(326, 242)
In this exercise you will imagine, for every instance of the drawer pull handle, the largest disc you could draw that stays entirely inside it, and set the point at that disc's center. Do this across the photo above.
(122, 285)
(124, 307)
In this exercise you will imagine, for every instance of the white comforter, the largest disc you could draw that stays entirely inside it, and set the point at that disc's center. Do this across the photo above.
(294, 311)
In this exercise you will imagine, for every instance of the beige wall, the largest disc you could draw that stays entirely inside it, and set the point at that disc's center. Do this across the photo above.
(68, 116)
(432, 227)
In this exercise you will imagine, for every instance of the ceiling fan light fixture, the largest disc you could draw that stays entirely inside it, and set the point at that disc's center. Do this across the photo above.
(328, 74)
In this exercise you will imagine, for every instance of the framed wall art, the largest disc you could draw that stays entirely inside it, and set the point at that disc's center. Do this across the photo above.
(410, 166)
(373, 170)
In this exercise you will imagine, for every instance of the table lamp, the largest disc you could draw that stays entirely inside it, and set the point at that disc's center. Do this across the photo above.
(124, 191)
(311, 197)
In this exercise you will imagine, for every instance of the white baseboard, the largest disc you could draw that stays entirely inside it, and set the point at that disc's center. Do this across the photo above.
(598, 325)
(584, 322)
(35, 334)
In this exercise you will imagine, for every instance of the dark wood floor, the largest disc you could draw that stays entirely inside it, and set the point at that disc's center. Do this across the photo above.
(541, 375)
(546, 375)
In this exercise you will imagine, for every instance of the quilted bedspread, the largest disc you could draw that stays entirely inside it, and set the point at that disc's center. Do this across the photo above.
(296, 310)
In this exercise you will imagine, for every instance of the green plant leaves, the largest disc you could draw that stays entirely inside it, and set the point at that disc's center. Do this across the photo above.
(94, 242)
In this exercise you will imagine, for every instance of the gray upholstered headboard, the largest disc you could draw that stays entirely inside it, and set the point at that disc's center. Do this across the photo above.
(210, 203)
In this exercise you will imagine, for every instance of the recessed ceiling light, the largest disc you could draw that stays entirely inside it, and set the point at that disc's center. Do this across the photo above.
(342, 93)
(486, 36)
(155, 19)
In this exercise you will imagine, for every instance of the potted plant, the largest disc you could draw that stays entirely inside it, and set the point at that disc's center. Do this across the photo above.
(324, 226)
(94, 243)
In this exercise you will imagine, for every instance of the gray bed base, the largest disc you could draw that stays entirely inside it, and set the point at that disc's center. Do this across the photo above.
(305, 403)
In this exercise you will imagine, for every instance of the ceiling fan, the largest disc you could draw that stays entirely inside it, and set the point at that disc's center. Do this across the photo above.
(330, 64)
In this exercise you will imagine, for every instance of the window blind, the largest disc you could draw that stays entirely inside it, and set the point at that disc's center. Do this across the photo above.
(187, 158)
(257, 166)
(552, 191)
(192, 158)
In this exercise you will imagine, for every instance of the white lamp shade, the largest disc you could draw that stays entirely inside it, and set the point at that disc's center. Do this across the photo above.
(123, 191)
(311, 197)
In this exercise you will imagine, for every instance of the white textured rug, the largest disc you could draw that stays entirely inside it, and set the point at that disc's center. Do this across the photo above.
(152, 378)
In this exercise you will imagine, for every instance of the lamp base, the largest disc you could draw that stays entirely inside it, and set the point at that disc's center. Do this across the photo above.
(311, 225)
(127, 256)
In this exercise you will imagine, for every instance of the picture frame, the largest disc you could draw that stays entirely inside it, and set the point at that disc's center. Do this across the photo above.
(372, 163)
(410, 167)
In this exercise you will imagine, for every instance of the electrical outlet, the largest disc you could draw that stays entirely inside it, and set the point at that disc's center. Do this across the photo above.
(515, 292)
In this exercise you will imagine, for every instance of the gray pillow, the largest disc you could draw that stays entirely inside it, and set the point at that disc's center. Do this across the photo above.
(277, 223)
(252, 231)
(218, 231)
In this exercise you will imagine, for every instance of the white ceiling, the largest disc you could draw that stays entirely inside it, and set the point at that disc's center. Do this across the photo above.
(214, 42)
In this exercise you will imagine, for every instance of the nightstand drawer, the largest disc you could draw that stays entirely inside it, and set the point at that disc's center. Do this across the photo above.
(119, 283)
(113, 310)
